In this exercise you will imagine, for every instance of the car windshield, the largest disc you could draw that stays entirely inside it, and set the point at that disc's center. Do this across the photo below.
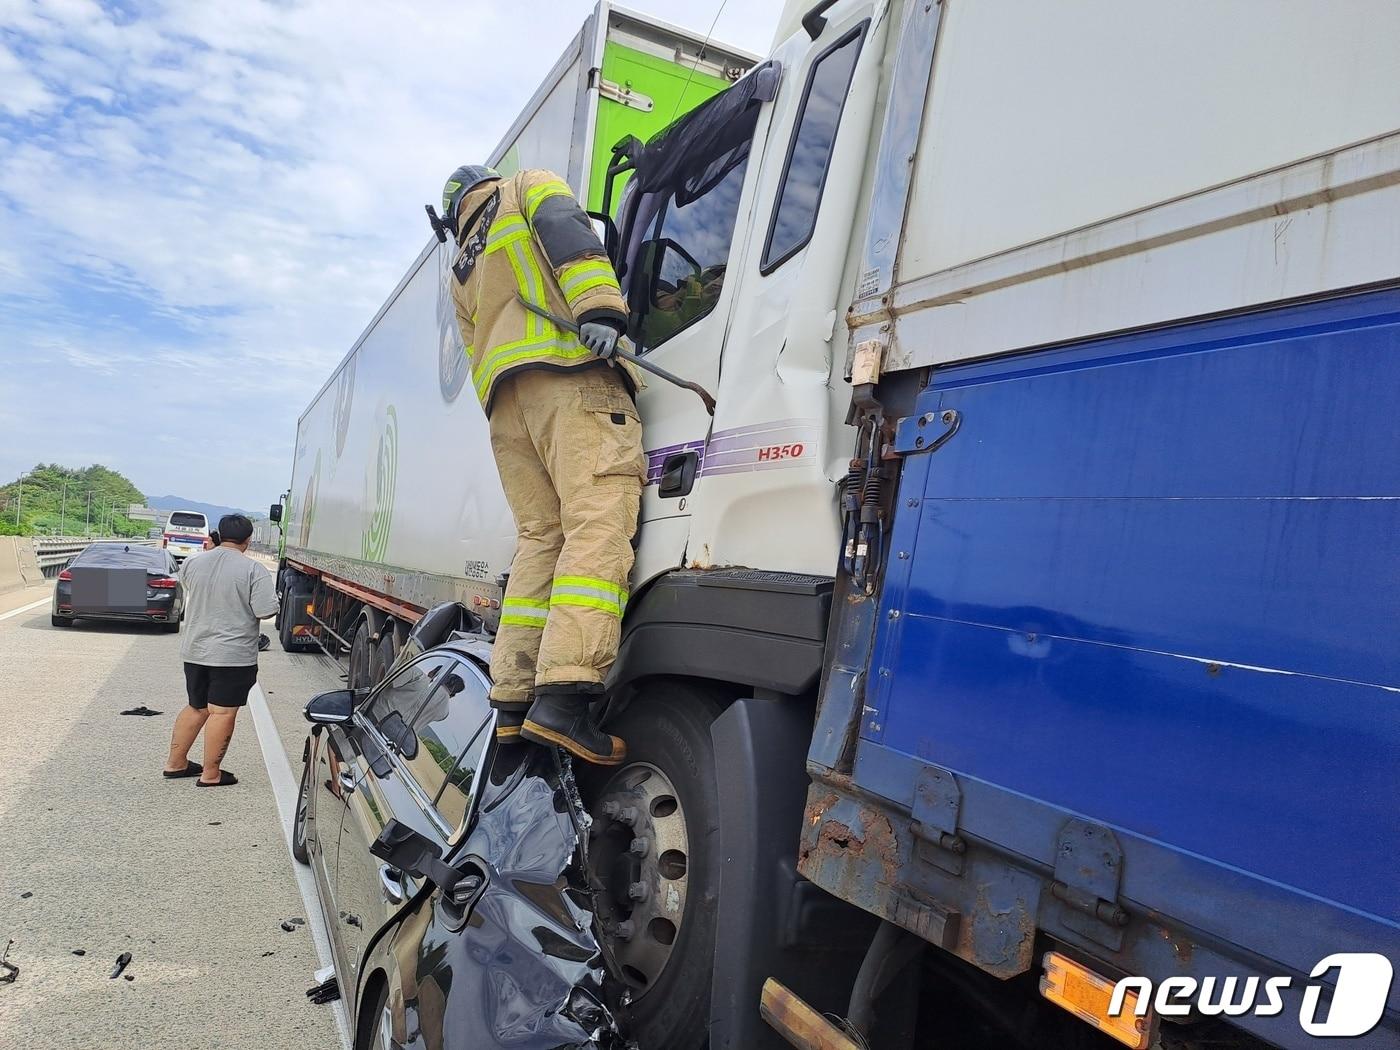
(181, 520)
(121, 556)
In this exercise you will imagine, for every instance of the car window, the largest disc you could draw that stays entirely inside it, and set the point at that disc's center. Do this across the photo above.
(452, 737)
(804, 176)
(394, 704)
(181, 520)
(121, 556)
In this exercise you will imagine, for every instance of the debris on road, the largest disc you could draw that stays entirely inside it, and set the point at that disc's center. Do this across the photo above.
(79, 951)
(328, 991)
(123, 960)
(289, 927)
(128, 977)
(142, 710)
(26, 895)
(8, 970)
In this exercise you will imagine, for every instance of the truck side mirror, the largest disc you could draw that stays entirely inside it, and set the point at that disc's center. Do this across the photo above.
(274, 513)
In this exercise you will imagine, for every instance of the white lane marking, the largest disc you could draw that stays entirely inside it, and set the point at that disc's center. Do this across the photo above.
(25, 608)
(284, 791)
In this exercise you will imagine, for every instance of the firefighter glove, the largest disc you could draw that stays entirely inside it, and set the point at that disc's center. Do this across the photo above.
(600, 338)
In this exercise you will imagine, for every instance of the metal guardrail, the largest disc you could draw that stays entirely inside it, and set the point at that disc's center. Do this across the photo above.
(55, 552)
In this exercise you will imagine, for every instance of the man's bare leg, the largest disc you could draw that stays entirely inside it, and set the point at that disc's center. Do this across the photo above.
(217, 734)
(188, 723)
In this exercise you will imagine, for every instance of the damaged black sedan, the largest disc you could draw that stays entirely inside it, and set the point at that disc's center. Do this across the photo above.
(450, 869)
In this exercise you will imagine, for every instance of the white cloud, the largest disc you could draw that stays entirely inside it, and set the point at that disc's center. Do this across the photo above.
(240, 186)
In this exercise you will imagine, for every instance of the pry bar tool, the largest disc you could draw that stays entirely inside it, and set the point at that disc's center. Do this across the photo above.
(640, 362)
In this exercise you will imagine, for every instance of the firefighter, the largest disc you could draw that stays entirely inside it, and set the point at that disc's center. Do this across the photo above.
(567, 441)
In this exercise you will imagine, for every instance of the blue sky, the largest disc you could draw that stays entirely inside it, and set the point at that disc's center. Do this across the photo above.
(202, 205)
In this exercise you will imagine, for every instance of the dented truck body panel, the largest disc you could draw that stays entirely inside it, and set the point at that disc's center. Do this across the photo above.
(1133, 683)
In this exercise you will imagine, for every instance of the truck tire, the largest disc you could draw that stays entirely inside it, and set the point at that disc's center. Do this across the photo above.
(664, 793)
(358, 674)
(284, 631)
(381, 656)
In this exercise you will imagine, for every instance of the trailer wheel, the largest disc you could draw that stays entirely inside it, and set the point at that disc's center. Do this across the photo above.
(359, 676)
(655, 854)
(382, 656)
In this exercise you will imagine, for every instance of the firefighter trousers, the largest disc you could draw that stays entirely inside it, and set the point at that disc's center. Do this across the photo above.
(568, 446)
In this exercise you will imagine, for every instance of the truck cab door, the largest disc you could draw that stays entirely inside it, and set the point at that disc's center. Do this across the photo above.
(682, 242)
(779, 438)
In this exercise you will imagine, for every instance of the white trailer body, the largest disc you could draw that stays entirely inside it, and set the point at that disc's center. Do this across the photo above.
(394, 488)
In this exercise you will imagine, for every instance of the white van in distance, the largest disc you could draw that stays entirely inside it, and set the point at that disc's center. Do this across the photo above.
(185, 531)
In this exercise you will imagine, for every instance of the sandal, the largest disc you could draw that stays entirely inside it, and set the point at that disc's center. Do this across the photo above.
(225, 779)
(192, 769)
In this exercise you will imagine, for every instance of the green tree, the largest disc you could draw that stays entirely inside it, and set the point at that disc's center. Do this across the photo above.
(57, 500)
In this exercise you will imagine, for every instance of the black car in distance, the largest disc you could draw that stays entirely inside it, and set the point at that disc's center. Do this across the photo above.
(120, 581)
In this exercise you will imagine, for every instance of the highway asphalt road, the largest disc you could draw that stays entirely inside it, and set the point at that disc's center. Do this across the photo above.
(100, 856)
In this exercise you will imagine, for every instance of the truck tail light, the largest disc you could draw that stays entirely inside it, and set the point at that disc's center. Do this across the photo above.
(310, 608)
(1087, 995)
(65, 575)
(165, 539)
(163, 583)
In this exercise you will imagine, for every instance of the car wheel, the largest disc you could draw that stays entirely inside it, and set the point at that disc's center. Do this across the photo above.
(61, 621)
(375, 1030)
(657, 823)
(171, 627)
(299, 850)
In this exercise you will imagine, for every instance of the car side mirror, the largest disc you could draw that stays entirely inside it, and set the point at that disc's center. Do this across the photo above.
(330, 709)
(274, 513)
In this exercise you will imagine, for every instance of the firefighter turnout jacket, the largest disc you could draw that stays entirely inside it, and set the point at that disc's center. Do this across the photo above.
(527, 235)
(564, 429)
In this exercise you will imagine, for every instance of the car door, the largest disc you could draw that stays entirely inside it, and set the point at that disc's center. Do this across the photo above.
(424, 730)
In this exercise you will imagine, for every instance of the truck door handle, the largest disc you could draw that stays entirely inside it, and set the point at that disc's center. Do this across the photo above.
(347, 781)
(678, 472)
(391, 884)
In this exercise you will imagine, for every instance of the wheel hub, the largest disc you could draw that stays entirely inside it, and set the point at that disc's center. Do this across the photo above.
(639, 858)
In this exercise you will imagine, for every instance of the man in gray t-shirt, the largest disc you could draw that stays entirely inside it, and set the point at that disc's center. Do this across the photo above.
(226, 594)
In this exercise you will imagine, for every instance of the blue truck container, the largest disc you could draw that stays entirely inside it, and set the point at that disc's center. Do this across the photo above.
(1134, 686)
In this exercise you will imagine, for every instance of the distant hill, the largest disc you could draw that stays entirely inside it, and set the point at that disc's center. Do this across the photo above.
(57, 500)
(212, 511)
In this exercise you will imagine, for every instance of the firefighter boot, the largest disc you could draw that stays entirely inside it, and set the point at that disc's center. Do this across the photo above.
(559, 718)
(508, 720)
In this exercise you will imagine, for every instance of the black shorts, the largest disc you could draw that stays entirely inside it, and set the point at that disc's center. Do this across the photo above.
(220, 686)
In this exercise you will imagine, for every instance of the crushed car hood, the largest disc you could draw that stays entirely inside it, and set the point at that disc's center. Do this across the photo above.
(525, 970)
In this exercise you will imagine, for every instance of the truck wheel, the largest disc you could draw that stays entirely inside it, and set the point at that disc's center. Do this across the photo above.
(284, 632)
(382, 656)
(656, 857)
(358, 676)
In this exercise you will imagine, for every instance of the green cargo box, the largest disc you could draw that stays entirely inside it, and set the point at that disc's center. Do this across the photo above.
(623, 74)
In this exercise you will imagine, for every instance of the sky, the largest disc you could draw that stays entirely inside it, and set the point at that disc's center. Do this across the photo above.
(202, 206)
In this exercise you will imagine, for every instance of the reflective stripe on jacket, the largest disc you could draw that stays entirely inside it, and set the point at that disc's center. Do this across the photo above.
(542, 246)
